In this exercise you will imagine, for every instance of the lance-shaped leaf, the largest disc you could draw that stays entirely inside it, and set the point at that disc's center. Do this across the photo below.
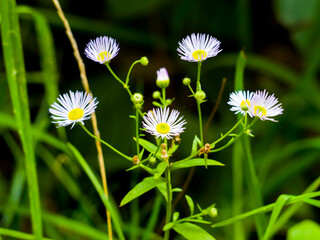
(144, 186)
(194, 162)
(162, 166)
(191, 231)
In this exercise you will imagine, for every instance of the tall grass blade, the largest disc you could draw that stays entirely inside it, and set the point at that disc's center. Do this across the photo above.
(15, 71)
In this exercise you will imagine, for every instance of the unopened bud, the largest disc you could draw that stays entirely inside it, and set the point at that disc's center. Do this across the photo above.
(137, 98)
(200, 95)
(144, 61)
(212, 212)
(135, 160)
(156, 95)
(186, 81)
(163, 80)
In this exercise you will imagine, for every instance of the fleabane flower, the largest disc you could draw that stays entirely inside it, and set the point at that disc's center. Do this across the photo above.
(102, 49)
(163, 123)
(72, 108)
(265, 106)
(240, 101)
(198, 47)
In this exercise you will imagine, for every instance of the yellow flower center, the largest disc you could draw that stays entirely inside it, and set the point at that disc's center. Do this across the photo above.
(244, 104)
(199, 55)
(163, 128)
(104, 56)
(259, 109)
(75, 114)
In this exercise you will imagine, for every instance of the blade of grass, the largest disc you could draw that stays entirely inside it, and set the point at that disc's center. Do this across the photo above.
(251, 176)
(15, 70)
(18, 235)
(264, 209)
(279, 204)
(153, 218)
(17, 182)
(99, 189)
(292, 209)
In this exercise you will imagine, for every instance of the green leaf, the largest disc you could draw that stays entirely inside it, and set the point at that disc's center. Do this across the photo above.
(144, 186)
(175, 216)
(307, 230)
(190, 203)
(168, 226)
(173, 149)
(162, 187)
(150, 147)
(281, 201)
(192, 232)
(160, 169)
(194, 162)
(176, 190)
(157, 104)
(195, 143)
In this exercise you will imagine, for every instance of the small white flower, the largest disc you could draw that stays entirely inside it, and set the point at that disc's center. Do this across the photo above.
(161, 123)
(265, 106)
(240, 101)
(198, 47)
(73, 108)
(102, 49)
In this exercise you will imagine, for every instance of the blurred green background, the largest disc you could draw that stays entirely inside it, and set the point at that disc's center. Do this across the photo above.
(280, 39)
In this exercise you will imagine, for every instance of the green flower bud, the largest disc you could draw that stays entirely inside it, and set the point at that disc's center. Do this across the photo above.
(163, 80)
(212, 212)
(153, 160)
(156, 94)
(186, 81)
(144, 61)
(137, 98)
(168, 102)
(200, 95)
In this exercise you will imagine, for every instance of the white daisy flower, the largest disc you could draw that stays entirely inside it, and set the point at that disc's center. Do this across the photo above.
(73, 108)
(161, 123)
(265, 106)
(198, 48)
(240, 101)
(102, 49)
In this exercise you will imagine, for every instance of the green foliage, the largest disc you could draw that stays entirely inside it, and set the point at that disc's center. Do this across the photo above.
(191, 231)
(144, 186)
(307, 229)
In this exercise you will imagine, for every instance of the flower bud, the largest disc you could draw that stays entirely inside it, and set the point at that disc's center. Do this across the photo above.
(186, 81)
(212, 212)
(163, 80)
(137, 98)
(152, 160)
(156, 94)
(144, 61)
(200, 95)
(168, 102)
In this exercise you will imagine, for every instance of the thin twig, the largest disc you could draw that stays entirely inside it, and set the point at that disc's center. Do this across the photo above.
(85, 84)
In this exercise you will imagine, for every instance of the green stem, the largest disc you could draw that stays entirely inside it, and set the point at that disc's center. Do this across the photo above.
(163, 97)
(200, 122)
(169, 200)
(137, 131)
(105, 143)
(235, 139)
(129, 72)
(227, 134)
(198, 87)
